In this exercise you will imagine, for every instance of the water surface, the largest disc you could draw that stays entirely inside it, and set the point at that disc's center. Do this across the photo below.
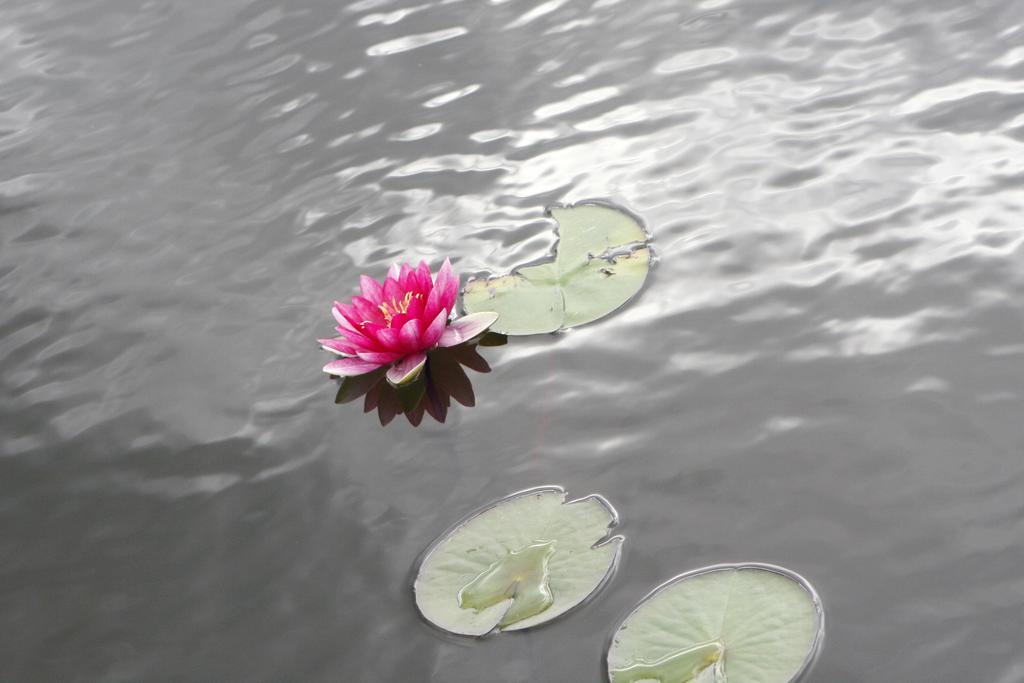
(824, 371)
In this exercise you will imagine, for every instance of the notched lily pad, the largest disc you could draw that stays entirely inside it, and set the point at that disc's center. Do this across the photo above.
(749, 623)
(519, 562)
(601, 261)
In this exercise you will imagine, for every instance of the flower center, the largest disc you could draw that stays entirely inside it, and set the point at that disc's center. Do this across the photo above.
(394, 307)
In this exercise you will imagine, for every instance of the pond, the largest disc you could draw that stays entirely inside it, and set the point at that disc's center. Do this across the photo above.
(823, 371)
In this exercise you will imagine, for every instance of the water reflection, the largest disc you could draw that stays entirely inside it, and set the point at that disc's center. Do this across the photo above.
(443, 379)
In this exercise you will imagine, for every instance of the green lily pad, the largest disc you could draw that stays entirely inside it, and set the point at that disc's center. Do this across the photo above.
(518, 563)
(601, 261)
(749, 623)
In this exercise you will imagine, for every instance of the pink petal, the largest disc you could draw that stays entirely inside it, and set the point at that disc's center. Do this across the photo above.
(370, 332)
(336, 312)
(448, 282)
(465, 328)
(410, 334)
(434, 330)
(341, 347)
(399, 320)
(379, 357)
(383, 339)
(415, 309)
(358, 341)
(350, 316)
(423, 280)
(339, 313)
(372, 290)
(407, 369)
(367, 310)
(353, 329)
(404, 275)
(444, 274)
(450, 294)
(392, 290)
(389, 339)
(433, 305)
(350, 367)
(394, 271)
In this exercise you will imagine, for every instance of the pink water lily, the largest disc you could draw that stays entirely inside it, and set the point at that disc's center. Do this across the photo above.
(396, 321)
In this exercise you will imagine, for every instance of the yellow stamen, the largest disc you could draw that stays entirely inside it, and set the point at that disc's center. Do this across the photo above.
(392, 308)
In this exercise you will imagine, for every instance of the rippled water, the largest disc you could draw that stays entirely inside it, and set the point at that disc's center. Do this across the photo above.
(825, 370)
